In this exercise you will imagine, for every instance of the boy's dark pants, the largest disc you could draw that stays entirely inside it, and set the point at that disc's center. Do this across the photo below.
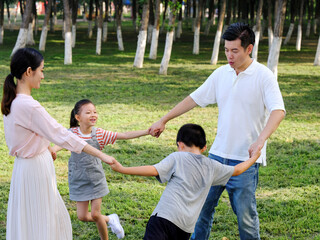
(161, 229)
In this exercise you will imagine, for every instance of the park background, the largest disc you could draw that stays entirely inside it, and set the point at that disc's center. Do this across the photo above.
(129, 98)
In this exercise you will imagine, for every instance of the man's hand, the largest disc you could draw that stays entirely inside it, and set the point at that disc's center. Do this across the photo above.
(256, 147)
(157, 128)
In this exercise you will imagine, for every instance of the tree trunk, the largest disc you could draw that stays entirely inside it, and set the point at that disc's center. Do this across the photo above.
(99, 28)
(105, 22)
(179, 29)
(8, 13)
(142, 38)
(1, 21)
(216, 46)
(90, 19)
(299, 35)
(270, 31)
(274, 53)
(310, 15)
(292, 19)
(134, 15)
(155, 32)
(258, 30)
(317, 58)
(164, 15)
(67, 32)
(196, 39)
(316, 17)
(118, 13)
(30, 38)
(22, 37)
(169, 41)
(150, 21)
(74, 21)
(210, 17)
(43, 38)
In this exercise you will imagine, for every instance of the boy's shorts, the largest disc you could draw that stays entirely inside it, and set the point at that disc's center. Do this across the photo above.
(162, 229)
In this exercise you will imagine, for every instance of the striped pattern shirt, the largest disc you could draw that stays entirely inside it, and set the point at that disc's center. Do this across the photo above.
(104, 137)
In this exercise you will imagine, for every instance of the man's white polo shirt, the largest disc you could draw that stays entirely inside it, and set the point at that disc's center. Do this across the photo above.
(244, 102)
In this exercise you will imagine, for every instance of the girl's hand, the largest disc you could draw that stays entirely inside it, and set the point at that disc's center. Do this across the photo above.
(107, 159)
(53, 153)
(116, 166)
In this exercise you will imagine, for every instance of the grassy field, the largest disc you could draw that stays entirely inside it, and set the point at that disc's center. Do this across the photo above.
(127, 98)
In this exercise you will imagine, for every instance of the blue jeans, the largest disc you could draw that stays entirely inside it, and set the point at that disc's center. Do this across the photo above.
(241, 190)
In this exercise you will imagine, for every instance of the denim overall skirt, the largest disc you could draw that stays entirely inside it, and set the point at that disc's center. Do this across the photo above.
(86, 177)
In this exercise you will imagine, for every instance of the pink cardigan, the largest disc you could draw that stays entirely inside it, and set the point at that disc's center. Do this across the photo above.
(29, 129)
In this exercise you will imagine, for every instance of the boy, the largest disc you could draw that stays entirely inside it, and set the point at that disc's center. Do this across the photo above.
(189, 175)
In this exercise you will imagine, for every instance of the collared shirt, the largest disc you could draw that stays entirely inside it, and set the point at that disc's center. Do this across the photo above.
(29, 129)
(244, 102)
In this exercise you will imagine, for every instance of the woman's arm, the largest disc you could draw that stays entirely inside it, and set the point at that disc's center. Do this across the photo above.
(140, 170)
(132, 134)
(97, 153)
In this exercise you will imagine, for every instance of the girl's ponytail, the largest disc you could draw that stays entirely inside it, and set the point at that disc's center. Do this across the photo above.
(9, 94)
(73, 120)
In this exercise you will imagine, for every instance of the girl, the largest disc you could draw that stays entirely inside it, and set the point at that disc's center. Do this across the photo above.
(87, 181)
(35, 210)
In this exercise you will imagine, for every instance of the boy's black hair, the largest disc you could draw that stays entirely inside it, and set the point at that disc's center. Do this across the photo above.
(240, 31)
(192, 135)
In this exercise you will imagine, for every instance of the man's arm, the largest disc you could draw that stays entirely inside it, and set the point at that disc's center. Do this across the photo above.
(242, 167)
(140, 171)
(184, 106)
(273, 122)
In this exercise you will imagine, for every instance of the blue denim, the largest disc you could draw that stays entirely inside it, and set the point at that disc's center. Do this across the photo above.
(241, 190)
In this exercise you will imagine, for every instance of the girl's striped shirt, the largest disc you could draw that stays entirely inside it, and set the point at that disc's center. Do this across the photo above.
(104, 137)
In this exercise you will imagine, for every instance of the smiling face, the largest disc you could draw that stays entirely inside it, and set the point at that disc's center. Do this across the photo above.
(87, 116)
(238, 57)
(36, 76)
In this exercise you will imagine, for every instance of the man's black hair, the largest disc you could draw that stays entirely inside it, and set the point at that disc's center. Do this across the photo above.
(240, 31)
(192, 135)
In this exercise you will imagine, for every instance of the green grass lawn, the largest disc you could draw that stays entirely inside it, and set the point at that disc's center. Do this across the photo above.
(127, 98)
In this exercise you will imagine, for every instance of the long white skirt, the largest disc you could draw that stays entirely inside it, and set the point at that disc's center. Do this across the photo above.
(36, 210)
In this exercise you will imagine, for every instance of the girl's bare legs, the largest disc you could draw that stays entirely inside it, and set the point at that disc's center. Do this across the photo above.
(95, 216)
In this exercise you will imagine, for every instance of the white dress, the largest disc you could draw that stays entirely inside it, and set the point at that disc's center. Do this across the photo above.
(36, 210)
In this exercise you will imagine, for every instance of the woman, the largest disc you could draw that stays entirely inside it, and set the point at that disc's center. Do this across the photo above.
(35, 208)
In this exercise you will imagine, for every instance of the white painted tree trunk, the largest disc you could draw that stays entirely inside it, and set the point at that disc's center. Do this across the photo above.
(179, 29)
(196, 40)
(30, 39)
(273, 58)
(207, 29)
(317, 58)
(99, 38)
(43, 38)
(105, 32)
(74, 35)
(149, 35)
(119, 37)
(256, 45)
(270, 37)
(167, 54)
(141, 47)
(216, 45)
(299, 38)
(154, 44)
(90, 29)
(289, 34)
(21, 41)
(68, 48)
(1, 34)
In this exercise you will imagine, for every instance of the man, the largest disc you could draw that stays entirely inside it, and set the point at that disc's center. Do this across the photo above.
(245, 92)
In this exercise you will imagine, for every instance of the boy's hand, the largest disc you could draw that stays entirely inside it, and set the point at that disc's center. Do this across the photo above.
(53, 153)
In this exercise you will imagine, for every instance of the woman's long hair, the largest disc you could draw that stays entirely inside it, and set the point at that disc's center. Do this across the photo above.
(21, 60)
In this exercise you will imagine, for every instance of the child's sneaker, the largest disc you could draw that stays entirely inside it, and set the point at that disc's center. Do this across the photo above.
(114, 224)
